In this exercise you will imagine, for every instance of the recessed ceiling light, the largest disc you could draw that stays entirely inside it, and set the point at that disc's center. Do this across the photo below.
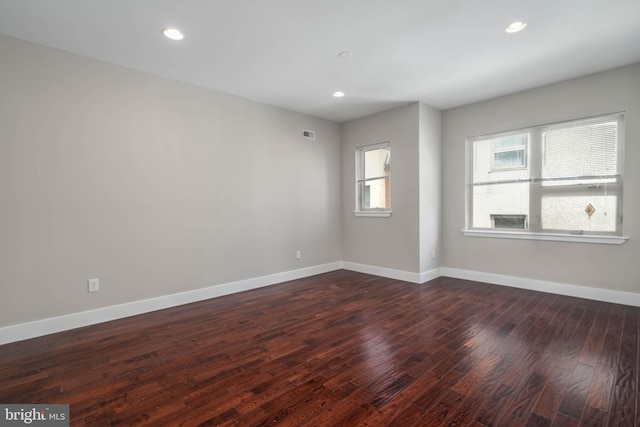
(515, 27)
(173, 34)
(337, 94)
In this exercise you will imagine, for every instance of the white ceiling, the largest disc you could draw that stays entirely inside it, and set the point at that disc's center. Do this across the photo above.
(445, 53)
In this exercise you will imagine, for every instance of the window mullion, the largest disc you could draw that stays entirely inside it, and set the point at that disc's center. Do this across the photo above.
(535, 187)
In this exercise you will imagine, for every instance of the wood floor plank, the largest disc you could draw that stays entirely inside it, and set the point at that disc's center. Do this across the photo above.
(448, 404)
(593, 417)
(495, 407)
(574, 401)
(593, 346)
(622, 409)
(601, 387)
(344, 349)
(562, 420)
(552, 395)
(536, 420)
(527, 396)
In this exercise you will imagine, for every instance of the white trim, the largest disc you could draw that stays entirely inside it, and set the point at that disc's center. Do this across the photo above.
(556, 237)
(390, 273)
(42, 327)
(598, 294)
(378, 214)
(427, 276)
(51, 325)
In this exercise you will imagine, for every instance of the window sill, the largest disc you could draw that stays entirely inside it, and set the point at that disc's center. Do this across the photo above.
(576, 238)
(374, 214)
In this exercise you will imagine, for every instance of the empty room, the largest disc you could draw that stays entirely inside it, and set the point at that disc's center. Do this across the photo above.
(319, 213)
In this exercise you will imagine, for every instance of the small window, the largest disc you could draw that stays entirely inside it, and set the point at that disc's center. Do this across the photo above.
(518, 222)
(373, 174)
(510, 152)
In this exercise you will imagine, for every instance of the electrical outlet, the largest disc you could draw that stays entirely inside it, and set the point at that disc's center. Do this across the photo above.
(298, 254)
(93, 285)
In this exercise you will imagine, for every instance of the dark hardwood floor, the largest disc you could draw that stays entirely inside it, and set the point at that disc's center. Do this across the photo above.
(344, 348)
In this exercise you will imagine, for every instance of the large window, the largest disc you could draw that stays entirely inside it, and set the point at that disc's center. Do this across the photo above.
(373, 173)
(564, 178)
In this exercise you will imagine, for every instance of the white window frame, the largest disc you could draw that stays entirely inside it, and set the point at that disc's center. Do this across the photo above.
(537, 189)
(360, 210)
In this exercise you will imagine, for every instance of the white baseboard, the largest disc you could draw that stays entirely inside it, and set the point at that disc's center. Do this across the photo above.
(42, 327)
(381, 271)
(598, 294)
(391, 273)
(430, 275)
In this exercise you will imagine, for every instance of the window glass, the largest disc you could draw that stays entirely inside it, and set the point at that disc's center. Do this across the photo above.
(564, 177)
(589, 150)
(509, 221)
(580, 213)
(494, 200)
(373, 174)
(510, 151)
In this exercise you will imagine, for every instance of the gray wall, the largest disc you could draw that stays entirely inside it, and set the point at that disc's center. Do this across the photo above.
(594, 265)
(384, 242)
(151, 185)
(406, 239)
(158, 187)
(430, 158)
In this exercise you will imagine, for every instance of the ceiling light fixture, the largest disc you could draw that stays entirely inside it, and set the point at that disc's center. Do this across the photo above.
(173, 34)
(337, 94)
(515, 27)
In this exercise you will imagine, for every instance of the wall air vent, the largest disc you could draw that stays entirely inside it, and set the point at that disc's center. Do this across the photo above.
(309, 134)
